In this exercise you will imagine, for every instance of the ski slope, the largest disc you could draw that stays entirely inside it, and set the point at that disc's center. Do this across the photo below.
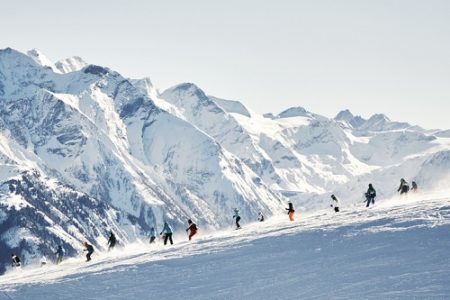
(398, 249)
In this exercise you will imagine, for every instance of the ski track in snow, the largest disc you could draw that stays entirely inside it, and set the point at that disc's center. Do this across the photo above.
(396, 250)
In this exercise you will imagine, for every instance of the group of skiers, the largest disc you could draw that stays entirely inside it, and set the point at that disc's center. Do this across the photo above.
(167, 231)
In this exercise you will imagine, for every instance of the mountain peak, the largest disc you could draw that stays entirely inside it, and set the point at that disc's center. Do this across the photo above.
(41, 59)
(347, 116)
(344, 115)
(379, 118)
(70, 64)
(294, 112)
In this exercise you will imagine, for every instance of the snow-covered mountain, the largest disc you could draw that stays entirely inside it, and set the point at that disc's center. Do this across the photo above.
(85, 150)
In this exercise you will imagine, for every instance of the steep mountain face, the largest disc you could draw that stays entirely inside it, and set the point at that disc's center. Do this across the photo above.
(306, 156)
(85, 150)
(101, 136)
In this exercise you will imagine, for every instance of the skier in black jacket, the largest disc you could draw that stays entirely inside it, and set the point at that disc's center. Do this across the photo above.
(414, 186)
(111, 241)
(89, 249)
(404, 187)
(59, 254)
(370, 195)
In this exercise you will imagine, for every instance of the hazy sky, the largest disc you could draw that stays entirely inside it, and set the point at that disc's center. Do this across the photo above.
(369, 56)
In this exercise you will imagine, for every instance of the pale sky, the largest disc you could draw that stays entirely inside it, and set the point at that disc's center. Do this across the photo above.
(377, 56)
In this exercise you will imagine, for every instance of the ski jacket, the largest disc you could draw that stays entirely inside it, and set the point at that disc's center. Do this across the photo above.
(112, 239)
(290, 208)
(403, 186)
(152, 232)
(15, 260)
(192, 228)
(371, 193)
(166, 229)
(89, 248)
(59, 251)
(335, 202)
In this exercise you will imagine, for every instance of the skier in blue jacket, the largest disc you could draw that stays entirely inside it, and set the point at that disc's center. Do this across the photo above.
(167, 231)
(237, 217)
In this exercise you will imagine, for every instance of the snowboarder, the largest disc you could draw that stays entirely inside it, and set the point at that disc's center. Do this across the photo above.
(370, 195)
(192, 229)
(15, 261)
(291, 211)
(335, 203)
(111, 241)
(237, 217)
(89, 249)
(167, 231)
(59, 254)
(414, 186)
(404, 187)
(260, 217)
(43, 261)
(152, 235)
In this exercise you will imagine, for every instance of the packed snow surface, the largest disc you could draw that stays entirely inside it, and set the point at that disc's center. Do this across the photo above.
(397, 249)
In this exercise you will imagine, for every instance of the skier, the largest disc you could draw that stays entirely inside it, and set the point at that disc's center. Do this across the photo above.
(152, 235)
(192, 229)
(15, 261)
(111, 241)
(43, 261)
(260, 217)
(370, 195)
(59, 254)
(335, 203)
(237, 217)
(404, 187)
(414, 186)
(167, 230)
(291, 211)
(89, 249)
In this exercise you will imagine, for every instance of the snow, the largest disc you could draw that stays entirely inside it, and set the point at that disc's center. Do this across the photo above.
(71, 64)
(396, 250)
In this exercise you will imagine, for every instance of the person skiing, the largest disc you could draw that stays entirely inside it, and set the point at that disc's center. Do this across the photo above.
(89, 249)
(291, 211)
(167, 230)
(111, 241)
(370, 195)
(335, 203)
(59, 254)
(43, 261)
(404, 187)
(192, 229)
(152, 235)
(237, 217)
(260, 217)
(15, 261)
(414, 186)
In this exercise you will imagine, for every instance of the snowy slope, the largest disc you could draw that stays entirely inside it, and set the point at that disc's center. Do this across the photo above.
(395, 250)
